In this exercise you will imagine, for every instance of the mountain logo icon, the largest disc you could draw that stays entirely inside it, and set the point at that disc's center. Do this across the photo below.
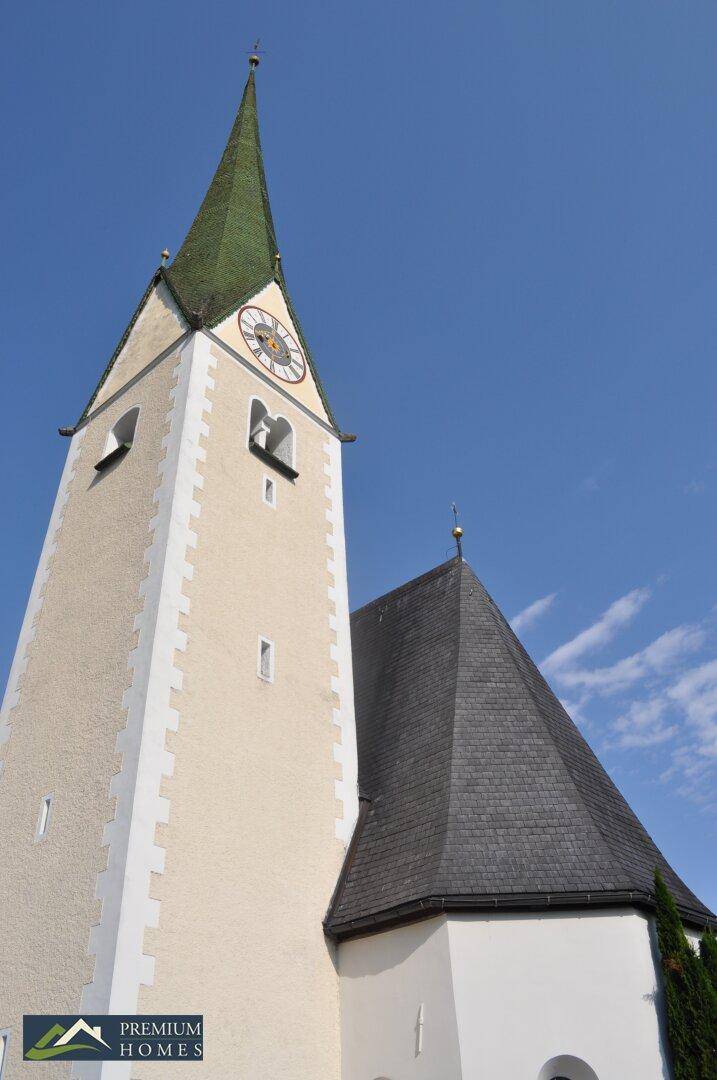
(59, 1040)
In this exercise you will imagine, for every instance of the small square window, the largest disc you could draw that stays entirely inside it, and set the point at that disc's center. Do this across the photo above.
(268, 491)
(265, 665)
(43, 821)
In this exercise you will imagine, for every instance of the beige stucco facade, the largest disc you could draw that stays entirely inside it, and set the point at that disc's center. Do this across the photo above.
(157, 326)
(199, 812)
(252, 855)
(64, 711)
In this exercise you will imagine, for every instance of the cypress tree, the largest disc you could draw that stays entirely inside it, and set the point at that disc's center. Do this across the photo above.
(690, 998)
(708, 953)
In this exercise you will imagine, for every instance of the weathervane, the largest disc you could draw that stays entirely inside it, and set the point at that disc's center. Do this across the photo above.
(255, 54)
(457, 531)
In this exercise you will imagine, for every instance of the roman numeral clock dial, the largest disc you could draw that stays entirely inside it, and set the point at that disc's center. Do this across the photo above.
(272, 344)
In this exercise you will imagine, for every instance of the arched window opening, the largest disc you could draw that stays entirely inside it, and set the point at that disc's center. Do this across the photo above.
(272, 439)
(120, 438)
(258, 426)
(567, 1067)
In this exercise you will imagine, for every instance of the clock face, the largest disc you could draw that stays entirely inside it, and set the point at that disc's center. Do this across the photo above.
(272, 344)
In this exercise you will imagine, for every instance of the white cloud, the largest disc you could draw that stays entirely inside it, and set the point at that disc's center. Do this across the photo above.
(656, 659)
(619, 614)
(530, 615)
(691, 705)
(696, 694)
(643, 724)
(661, 705)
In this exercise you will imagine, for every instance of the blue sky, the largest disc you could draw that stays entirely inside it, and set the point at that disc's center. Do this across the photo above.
(497, 223)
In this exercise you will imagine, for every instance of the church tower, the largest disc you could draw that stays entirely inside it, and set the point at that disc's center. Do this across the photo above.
(178, 756)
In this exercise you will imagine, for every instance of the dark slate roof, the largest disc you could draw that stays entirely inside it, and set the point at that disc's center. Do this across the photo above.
(483, 793)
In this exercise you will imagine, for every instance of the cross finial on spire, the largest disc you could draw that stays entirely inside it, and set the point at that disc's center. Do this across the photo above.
(457, 531)
(255, 55)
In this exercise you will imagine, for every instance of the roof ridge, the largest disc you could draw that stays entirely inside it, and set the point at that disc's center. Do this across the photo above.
(452, 768)
(243, 115)
(503, 626)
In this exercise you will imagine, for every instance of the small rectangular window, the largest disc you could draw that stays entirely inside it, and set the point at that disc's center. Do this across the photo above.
(43, 821)
(4, 1041)
(265, 669)
(269, 491)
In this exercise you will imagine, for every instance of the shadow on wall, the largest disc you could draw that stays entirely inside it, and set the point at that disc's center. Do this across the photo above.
(566, 1067)
(387, 951)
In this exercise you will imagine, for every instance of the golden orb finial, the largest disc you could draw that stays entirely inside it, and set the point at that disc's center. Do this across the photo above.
(457, 531)
(254, 56)
(165, 256)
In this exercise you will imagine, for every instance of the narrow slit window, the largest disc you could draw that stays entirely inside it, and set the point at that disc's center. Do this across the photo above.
(269, 491)
(4, 1040)
(43, 821)
(265, 669)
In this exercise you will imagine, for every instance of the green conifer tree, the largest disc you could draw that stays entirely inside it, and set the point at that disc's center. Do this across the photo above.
(690, 998)
(708, 952)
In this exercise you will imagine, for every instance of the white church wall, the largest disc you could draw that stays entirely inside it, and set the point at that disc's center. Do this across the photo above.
(388, 982)
(525, 997)
(531, 988)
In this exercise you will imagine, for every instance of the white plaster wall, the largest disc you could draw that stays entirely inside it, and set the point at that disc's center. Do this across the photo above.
(503, 994)
(531, 987)
(385, 978)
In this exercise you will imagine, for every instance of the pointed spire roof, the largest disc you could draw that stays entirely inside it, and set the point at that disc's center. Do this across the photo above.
(230, 251)
(480, 791)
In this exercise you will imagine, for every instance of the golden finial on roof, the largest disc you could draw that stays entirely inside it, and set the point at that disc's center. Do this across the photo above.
(255, 55)
(165, 256)
(457, 531)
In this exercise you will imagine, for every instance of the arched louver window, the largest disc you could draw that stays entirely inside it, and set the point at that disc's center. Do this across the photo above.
(120, 439)
(272, 439)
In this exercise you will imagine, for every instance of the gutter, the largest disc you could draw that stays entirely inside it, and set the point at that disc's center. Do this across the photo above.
(435, 905)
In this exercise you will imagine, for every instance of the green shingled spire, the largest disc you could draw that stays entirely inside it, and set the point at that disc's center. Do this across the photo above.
(230, 251)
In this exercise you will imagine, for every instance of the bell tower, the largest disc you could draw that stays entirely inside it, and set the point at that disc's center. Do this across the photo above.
(177, 742)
